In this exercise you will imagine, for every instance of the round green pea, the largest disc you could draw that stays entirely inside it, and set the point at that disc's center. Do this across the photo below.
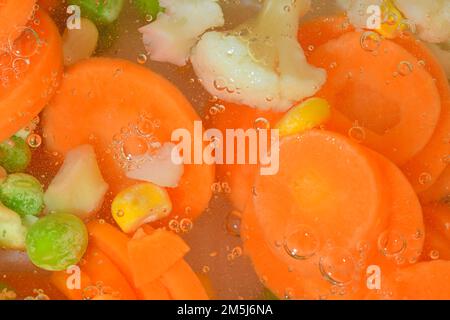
(23, 194)
(15, 155)
(57, 241)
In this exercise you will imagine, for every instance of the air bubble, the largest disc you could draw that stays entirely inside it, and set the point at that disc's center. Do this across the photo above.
(370, 41)
(302, 243)
(338, 266)
(391, 244)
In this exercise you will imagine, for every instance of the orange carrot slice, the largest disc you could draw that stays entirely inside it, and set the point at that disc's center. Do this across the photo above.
(113, 243)
(101, 270)
(402, 242)
(439, 191)
(326, 200)
(437, 235)
(422, 281)
(372, 99)
(182, 283)
(154, 254)
(232, 116)
(140, 107)
(29, 81)
(154, 290)
(14, 15)
(426, 166)
(59, 280)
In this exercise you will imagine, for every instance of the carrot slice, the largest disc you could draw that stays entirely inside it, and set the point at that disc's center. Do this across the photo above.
(439, 191)
(14, 15)
(319, 31)
(422, 281)
(239, 177)
(326, 200)
(432, 160)
(113, 243)
(437, 239)
(183, 283)
(154, 254)
(59, 280)
(140, 108)
(154, 290)
(101, 270)
(29, 82)
(402, 242)
(371, 95)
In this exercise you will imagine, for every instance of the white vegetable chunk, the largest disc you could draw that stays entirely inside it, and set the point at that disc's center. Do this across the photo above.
(12, 231)
(78, 188)
(159, 169)
(259, 64)
(177, 29)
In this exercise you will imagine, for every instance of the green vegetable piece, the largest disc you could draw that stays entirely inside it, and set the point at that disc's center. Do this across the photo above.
(268, 295)
(15, 155)
(148, 8)
(108, 34)
(12, 231)
(57, 241)
(101, 12)
(23, 194)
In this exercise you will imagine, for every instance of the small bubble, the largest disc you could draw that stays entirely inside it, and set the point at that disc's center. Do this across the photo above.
(302, 243)
(357, 133)
(233, 223)
(391, 243)
(425, 178)
(370, 41)
(404, 68)
(261, 123)
(174, 225)
(206, 269)
(434, 254)
(337, 266)
(186, 225)
(141, 58)
(34, 140)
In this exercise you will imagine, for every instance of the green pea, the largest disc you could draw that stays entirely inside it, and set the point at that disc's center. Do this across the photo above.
(100, 12)
(23, 194)
(148, 8)
(57, 241)
(15, 155)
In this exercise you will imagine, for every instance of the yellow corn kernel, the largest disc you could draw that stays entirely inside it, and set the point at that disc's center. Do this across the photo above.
(307, 115)
(139, 204)
(393, 20)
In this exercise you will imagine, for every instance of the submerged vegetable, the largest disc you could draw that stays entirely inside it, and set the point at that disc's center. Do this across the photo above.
(57, 241)
(260, 63)
(12, 231)
(81, 43)
(15, 155)
(23, 194)
(78, 188)
(101, 12)
(140, 204)
(171, 37)
(148, 8)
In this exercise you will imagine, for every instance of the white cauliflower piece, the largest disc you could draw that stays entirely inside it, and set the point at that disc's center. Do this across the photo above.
(176, 30)
(357, 10)
(431, 17)
(261, 63)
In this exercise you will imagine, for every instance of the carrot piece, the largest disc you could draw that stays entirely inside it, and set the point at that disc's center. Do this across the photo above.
(102, 270)
(154, 254)
(128, 97)
(317, 32)
(439, 191)
(28, 86)
(402, 241)
(367, 95)
(422, 281)
(113, 243)
(437, 234)
(432, 160)
(59, 280)
(326, 199)
(14, 15)
(183, 283)
(154, 290)
(232, 116)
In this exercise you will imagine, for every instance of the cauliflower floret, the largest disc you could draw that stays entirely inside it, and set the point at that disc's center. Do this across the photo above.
(431, 17)
(176, 30)
(260, 63)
